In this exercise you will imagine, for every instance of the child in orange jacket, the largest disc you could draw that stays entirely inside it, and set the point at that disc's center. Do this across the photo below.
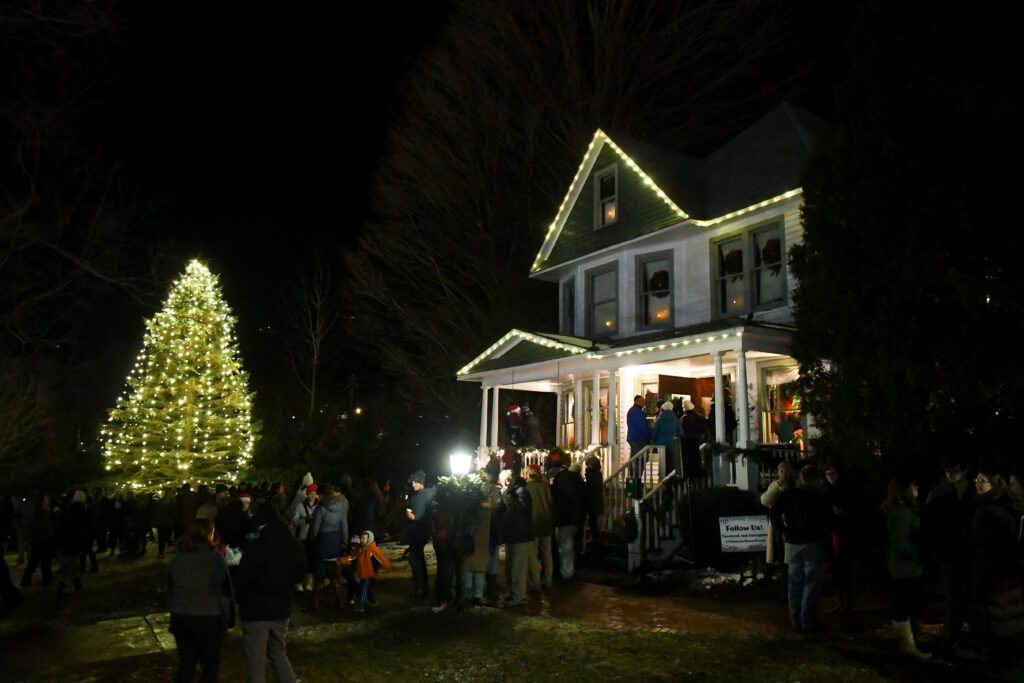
(365, 560)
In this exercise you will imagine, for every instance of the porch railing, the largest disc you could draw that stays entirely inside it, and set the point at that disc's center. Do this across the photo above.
(644, 467)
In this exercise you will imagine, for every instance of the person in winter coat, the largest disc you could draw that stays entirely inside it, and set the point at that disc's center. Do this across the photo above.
(843, 501)
(271, 565)
(948, 511)
(567, 498)
(594, 498)
(806, 520)
(775, 550)
(201, 603)
(531, 429)
(365, 560)
(420, 515)
(695, 432)
(71, 534)
(329, 530)
(303, 508)
(474, 565)
(517, 533)
(540, 573)
(666, 430)
(368, 508)
(905, 562)
(638, 433)
(40, 548)
(164, 518)
(997, 614)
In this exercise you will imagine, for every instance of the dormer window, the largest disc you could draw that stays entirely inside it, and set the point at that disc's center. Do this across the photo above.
(606, 191)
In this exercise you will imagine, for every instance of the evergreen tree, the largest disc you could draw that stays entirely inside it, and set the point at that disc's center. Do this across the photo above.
(910, 300)
(186, 413)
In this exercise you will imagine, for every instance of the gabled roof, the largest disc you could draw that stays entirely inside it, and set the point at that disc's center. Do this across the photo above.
(758, 167)
(523, 348)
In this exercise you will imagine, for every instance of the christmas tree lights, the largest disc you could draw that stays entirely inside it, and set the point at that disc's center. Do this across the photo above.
(185, 415)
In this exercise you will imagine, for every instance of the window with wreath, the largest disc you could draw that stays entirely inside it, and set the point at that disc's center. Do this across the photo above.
(750, 270)
(654, 290)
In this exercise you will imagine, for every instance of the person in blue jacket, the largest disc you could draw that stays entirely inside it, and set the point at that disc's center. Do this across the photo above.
(666, 430)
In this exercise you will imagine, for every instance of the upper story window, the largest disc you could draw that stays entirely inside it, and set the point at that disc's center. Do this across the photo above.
(569, 307)
(654, 290)
(603, 301)
(606, 194)
(750, 272)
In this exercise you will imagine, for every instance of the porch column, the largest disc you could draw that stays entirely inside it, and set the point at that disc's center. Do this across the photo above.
(483, 419)
(613, 418)
(719, 400)
(494, 420)
(577, 430)
(595, 410)
(558, 417)
(742, 400)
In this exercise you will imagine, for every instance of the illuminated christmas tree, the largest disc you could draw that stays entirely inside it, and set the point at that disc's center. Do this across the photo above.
(185, 415)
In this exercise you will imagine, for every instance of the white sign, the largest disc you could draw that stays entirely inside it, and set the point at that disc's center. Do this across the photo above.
(743, 534)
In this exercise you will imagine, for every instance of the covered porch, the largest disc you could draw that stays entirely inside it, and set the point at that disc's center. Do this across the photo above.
(730, 370)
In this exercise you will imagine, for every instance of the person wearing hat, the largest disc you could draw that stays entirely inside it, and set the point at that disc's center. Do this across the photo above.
(301, 517)
(329, 531)
(540, 572)
(666, 430)
(695, 432)
(273, 562)
(567, 499)
(420, 514)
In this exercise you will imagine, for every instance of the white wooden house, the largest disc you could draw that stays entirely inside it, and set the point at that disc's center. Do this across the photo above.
(673, 281)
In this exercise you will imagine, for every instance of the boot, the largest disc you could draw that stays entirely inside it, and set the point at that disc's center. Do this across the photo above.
(905, 637)
(314, 606)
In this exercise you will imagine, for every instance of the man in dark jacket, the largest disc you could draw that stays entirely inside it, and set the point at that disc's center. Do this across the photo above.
(948, 510)
(419, 527)
(516, 515)
(567, 496)
(805, 518)
(271, 565)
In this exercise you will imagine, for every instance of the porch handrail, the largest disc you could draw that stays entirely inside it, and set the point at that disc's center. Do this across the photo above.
(674, 474)
(645, 451)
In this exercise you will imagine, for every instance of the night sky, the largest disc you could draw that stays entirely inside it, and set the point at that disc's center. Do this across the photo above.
(253, 133)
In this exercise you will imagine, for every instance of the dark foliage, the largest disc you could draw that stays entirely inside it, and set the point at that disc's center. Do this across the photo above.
(910, 294)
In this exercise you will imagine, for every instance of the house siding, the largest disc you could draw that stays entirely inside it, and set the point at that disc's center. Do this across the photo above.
(640, 212)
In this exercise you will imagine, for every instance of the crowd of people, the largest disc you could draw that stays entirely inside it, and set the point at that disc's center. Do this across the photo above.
(535, 514)
(971, 523)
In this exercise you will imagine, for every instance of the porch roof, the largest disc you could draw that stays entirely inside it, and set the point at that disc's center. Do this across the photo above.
(517, 348)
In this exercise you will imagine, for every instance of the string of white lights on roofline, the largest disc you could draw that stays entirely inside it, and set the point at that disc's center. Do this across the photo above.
(599, 136)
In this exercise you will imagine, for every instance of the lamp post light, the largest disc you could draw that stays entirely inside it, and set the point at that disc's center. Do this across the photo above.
(460, 463)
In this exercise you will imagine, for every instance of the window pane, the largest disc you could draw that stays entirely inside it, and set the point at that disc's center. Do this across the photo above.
(604, 317)
(607, 211)
(657, 309)
(607, 185)
(655, 276)
(603, 286)
(731, 290)
(768, 255)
